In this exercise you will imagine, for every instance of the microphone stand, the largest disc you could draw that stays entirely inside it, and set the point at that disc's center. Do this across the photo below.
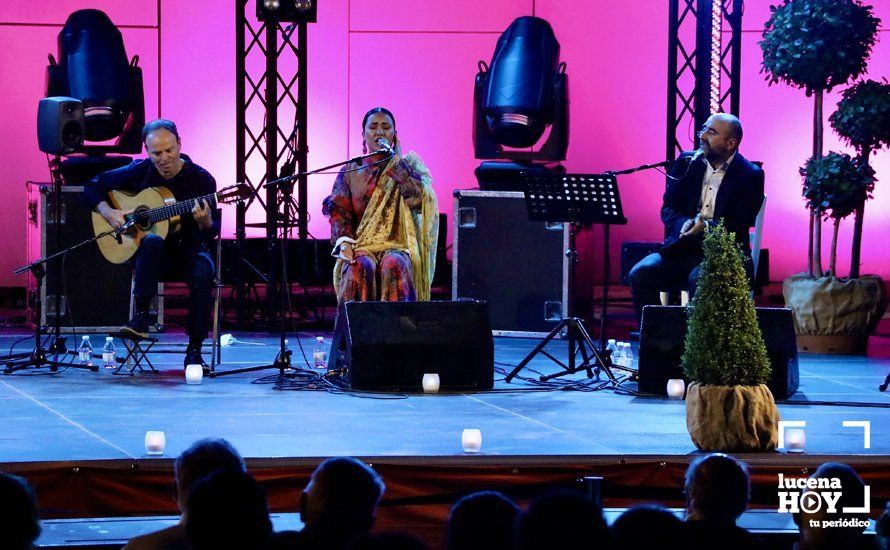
(282, 360)
(604, 302)
(641, 167)
(39, 357)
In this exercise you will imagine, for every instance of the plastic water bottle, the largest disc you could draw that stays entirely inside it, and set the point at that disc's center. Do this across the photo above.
(618, 356)
(628, 355)
(85, 351)
(109, 355)
(319, 355)
(612, 348)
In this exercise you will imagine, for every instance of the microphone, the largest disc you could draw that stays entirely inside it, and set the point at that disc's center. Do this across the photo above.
(385, 145)
(122, 229)
(697, 155)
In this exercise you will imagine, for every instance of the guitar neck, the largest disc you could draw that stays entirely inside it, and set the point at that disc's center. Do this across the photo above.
(179, 208)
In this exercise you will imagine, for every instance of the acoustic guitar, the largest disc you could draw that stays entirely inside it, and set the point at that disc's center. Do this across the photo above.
(154, 211)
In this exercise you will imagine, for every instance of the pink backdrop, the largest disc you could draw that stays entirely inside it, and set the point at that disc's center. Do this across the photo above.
(419, 59)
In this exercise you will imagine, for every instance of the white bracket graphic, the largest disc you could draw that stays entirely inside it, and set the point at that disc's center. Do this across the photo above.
(866, 429)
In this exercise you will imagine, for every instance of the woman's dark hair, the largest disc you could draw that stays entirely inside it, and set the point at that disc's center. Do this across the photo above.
(376, 110)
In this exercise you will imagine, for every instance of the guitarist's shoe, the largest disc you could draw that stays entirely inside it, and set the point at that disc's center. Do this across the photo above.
(193, 357)
(137, 326)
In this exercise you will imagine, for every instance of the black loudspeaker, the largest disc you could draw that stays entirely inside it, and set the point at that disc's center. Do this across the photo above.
(391, 345)
(60, 127)
(663, 337)
(519, 267)
(631, 253)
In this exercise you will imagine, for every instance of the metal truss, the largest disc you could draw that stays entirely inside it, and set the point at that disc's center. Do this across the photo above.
(704, 66)
(270, 138)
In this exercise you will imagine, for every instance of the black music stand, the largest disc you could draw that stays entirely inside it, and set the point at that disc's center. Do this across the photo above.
(580, 200)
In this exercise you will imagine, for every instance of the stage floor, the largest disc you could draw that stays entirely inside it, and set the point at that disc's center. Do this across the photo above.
(79, 415)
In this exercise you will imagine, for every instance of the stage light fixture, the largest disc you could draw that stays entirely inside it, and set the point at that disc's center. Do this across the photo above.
(292, 11)
(93, 70)
(521, 94)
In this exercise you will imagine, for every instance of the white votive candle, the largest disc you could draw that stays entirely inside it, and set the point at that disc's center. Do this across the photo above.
(676, 388)
(155, 441)
(471, 440)
(194, 374)
(795, 439)
(430, 383)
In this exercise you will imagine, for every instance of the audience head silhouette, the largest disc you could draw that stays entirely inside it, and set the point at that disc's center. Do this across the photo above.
(386, 541)
(202, 458)
(648, 526)
(882, 528)
(717, 488)
(340, 501)
(19, 524)
(483, 521)
(812, 533)
(562, 519)
(227, 510)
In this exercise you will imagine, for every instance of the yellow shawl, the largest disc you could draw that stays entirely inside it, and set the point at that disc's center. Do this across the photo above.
(389, 224)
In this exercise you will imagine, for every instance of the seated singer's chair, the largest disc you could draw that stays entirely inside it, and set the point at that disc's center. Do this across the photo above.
(165, 280)
(755, 238)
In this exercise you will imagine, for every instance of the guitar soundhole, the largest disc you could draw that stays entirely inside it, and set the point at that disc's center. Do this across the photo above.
(140, 214)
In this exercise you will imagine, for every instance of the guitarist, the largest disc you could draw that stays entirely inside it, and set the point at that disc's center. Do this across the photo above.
(185, 253)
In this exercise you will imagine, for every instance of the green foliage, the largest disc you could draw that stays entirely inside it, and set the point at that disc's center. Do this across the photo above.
(817, 44)
(724, 345)
(863, 115)
(836, 184)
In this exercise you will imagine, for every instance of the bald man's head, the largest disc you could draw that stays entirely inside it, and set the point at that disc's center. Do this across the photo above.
(720, 137)
(734, 125)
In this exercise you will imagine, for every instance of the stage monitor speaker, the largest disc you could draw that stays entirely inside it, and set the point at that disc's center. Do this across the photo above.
(60, 125)
(663, 338)
(391, 345)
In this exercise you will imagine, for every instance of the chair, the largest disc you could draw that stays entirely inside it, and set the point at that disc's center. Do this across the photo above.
(215, 347)
(756, 236)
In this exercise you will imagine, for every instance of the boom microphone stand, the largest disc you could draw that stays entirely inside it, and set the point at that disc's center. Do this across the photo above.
(283, 358)
(39, 357)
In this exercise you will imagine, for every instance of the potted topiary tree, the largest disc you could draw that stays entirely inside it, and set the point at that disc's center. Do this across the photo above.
(862, 119)
(833, 313)
(728, 405)
(816, 45)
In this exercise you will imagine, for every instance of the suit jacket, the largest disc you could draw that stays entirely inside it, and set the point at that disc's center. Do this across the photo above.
(738, 199)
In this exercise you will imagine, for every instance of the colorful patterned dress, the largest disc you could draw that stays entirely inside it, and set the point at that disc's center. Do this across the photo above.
(391, 214)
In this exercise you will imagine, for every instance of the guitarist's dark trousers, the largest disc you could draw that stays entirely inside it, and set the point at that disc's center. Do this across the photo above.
(194, 265)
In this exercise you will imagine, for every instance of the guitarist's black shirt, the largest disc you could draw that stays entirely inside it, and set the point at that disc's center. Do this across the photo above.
(191, 181)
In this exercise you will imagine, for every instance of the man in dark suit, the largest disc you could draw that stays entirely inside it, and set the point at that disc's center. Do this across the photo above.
(705, 186)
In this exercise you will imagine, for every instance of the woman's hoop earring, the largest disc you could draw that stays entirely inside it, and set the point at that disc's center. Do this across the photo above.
(364, 147)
